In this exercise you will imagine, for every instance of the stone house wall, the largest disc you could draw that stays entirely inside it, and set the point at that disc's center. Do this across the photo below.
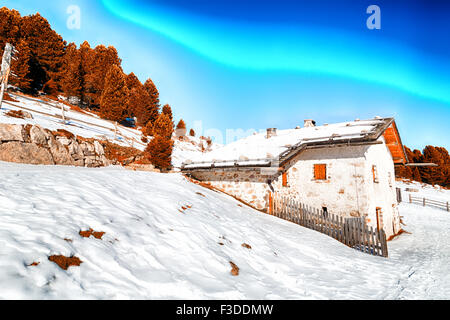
(349, 189)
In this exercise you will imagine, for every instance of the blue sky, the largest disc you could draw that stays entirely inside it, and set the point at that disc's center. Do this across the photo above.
(254, 64)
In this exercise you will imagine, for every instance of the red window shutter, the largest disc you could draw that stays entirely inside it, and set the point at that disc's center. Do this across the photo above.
(285, 180)
(320, 171)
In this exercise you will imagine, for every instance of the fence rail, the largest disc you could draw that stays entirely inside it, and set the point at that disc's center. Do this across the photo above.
(352, 232)
(444, 205)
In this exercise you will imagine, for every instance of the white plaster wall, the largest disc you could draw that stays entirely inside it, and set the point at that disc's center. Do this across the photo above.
(383, 193)
(343, 192)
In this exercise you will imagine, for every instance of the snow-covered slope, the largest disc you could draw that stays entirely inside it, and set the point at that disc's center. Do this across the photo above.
(153, 248)
(417, 189)
(48, 114)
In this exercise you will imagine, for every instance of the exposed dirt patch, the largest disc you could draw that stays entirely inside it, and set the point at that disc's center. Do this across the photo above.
(34, 264)
(398, 234)
(184, 208)
(15, 114)
(121, 154)
(65, 262)
(235, 269)
(90, 232)
(200, 194)
(68, 240)
(244, 245)
(63, 133)
(7, 97)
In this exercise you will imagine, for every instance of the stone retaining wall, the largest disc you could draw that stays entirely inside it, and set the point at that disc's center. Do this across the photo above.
(31, 144)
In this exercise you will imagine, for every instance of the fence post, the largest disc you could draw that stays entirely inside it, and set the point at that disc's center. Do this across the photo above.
(399, 195)
(384, 244)
(424, 201)
(448, 209)
(115, 130)
(410, 200)
(62, 113)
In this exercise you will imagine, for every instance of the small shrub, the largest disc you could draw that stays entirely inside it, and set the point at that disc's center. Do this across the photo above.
(65, 262)
(90, 232)
(235, 269)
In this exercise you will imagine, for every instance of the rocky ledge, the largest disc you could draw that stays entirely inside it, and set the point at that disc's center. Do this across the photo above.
(32, 144)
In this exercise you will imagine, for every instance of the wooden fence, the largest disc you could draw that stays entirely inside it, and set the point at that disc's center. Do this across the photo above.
(352, 232)
(444, 205)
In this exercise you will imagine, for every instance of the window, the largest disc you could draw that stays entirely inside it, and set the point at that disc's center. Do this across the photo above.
(320, 171)
(379, 218)
(285, 179)
(375, 174)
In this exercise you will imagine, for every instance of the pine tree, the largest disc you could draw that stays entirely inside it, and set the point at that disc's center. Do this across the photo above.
(150, 111)
(133, 82)
(47, 51)
(163, 127)
(72, 81)
(439, 156)
(114, 99)
(51, 88)
(148, 129)
(181, 124)
(9, 28)
(168, 111)
(97, 64)
(192, 133)
(139, 99)
(416, 175)
(20, 67)
(159, 150)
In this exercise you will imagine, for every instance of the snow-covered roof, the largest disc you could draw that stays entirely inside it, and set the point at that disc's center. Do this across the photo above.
(258, 150)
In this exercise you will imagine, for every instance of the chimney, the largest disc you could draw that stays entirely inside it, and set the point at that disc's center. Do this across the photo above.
(309, 123)
(271, 132)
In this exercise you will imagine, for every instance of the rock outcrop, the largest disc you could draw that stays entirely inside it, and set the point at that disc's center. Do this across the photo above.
(35, 145)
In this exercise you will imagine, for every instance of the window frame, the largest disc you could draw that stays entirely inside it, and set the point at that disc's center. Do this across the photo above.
(375, 174)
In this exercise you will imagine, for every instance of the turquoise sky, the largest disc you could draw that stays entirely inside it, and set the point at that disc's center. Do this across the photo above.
(247, 64)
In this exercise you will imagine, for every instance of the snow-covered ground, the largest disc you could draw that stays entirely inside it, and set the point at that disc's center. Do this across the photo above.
(154, 249)
(417, 189)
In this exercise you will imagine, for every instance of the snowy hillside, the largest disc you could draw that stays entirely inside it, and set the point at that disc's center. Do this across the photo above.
(166, 238)
(417, 189)
(48, 114)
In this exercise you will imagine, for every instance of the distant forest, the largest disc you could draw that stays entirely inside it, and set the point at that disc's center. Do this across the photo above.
(90, 78)
(439, 175)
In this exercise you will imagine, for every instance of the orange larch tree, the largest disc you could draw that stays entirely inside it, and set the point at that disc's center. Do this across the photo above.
(114, 100)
